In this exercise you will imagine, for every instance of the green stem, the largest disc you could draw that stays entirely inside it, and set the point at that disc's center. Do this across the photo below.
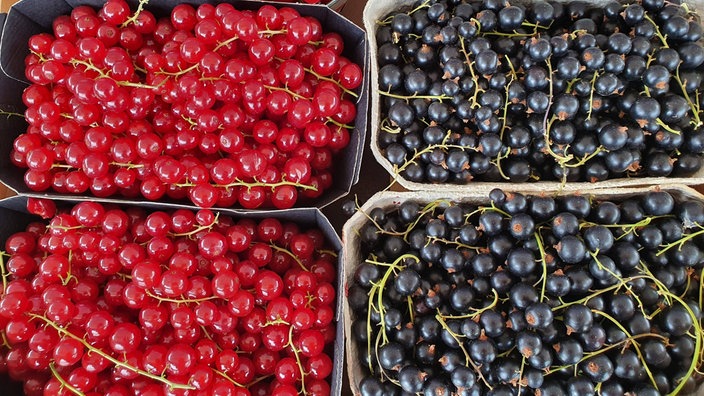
(388, 19)
(288, 91)
(380, 302)
(415, 96)
(701, 288)
(658, 33)
(290, 254)
(504, 119)
(127, 165)
(298, 360)
(666, 127)
(227, 377)
(620, 280)
(591, 95)
(10, 114)
(198, 229)
(662, 289)
(234, 38)
(562, 160)
(429, 208)
(454, 243)
(468, 359)
(469, 63)
(240, 183)
(189, 120)
(693, 106)
(697, 345)
(180, 301)
(388, 128)
(339, 124)
(515, 34)
(3, 272)
(377, 293)
(680, 242)
(5, 341)
(598, 292)
(636, 345)
(63, 382)
(483, 209)
(90, 66)
(628, 228)
(584, 159)
(133, 18)
(62, 166)
(588, 355)
(328, 252)
(108, 357)
(476, 311)
(370, 307)
(63, 228)
(180, 72)
(332, 80)
(520, 374)
(543, 255)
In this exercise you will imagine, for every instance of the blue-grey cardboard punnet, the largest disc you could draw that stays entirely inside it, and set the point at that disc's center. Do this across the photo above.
(29, 17)
(14, 218)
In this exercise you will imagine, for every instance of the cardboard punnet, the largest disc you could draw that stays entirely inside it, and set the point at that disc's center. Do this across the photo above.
(10, 102)
(29, 17)
(390, 200)
(378, 10)
(14, 218)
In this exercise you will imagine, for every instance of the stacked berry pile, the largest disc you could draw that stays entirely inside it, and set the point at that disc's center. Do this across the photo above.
(494, 91)
(220, 106)
(105, 301)
(530, 295)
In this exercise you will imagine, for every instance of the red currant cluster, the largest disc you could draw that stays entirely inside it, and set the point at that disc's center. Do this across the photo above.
(105, 301)
(216, 105)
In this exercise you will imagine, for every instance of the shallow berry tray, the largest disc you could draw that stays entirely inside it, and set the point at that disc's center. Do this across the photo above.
(376, 11)
(14, 218)
(434, 202)
(30, 17)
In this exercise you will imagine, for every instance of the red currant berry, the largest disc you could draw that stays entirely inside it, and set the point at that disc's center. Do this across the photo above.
(299, 31)
(115, 12)
(68, 352)
(183, 17)
(125, 338)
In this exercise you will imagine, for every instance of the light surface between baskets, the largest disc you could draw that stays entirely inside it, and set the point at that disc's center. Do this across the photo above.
(391, 200)
(377, 10)
(337, 5)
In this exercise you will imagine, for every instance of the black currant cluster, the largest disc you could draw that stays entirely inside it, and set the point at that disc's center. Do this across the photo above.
(493, 91)
(531, 295)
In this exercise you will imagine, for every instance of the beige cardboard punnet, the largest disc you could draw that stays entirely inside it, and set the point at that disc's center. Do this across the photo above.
(391, 200)
(377, 10)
